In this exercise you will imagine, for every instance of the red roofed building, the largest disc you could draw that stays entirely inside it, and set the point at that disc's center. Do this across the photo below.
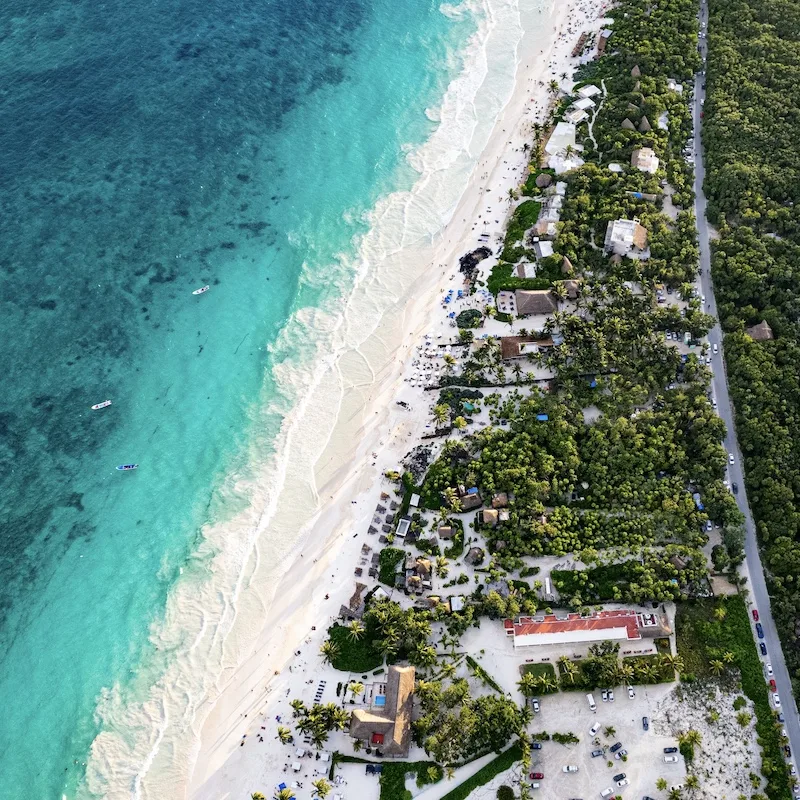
(624, 624)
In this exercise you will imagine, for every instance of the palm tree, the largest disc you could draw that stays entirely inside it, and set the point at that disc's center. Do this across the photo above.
(284, 734)
(257, 796)
(441, 566)
(675, 663)
(356, 689)
(553, 87)
(298, 708)
(340, 718)
(321, 788)
(720, 613)
(355, 630)
(674, 794)
(728, 657)
(441, 413)
(283, 794)
(330, 651)
(717, 667)
(661, 784)
(528, 684)
(357, 745)
(691, 782)
(318, 737)
(609, 731)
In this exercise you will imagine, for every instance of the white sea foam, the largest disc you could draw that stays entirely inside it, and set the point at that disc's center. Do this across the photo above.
(150, 734)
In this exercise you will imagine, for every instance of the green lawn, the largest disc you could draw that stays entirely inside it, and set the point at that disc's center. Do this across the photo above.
(354, 656)
(540, 670)
(390, 557)
(702, 638)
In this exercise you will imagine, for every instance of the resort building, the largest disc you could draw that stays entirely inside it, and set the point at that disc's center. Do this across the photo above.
(620, 625)
(590, 90)
(562, 137)
(513, 347)
(534, 301)
(625, 237)
(386, 725)
(645, 160)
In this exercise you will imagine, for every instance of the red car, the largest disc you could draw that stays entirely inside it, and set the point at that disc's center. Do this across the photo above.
(537, 776)
(773, 686)
(755, 615)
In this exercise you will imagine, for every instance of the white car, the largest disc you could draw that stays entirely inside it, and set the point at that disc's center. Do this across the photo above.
(623, 782)
(730, 458)
(776, 700)
(604, 695)
(606, 793)
(610, 695)
(593, 730)
(569, 768)
(631, 693)
(702, 298)
(670, 759)
(715, 348)
(769, 669)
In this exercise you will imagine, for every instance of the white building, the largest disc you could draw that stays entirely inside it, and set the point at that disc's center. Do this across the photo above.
(563, 136)
(645, 160)
(623, 236)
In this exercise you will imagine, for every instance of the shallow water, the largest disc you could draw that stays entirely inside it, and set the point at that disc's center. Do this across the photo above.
(149, 149)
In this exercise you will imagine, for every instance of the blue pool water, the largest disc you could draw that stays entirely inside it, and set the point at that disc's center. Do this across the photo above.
(148, 149)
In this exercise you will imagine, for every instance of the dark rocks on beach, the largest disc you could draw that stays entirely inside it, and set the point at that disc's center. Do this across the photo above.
(469, 262)
(543, 180)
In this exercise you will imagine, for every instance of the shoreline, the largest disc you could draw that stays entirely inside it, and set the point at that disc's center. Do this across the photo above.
(320, 577)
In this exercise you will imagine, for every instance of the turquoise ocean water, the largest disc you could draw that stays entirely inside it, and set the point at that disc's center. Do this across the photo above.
(148, 149)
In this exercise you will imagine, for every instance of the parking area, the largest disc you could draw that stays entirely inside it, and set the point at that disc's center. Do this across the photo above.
(643, 765)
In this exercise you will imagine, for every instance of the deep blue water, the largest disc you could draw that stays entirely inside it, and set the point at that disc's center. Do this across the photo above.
(148, 149)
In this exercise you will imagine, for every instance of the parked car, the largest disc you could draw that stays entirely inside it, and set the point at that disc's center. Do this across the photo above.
(776, 700)
(787, 751)
(730, 458)
(759, 630)
(768, 668)
(781, 718)
(631, 693)
(670, 749)
(671, 759)
(593, 730)
(755, 610)
(763, 648)
(616, 746)
(610, 695)
(604, 695)
(606, 793)
(619, 777)
(569, 768)
(596, 753)
(535, 705)
(536, 745)
(645, 723)
(735, 487)
(537, 776)
(773, 685)
(623, 782)
(715, 348)
(620, 755)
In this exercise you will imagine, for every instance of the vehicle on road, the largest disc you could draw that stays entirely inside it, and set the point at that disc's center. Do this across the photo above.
(763, 648)
(592, 704)
(619, 777)
(768, 668)
(735, 487)
(731, 459)
(596, 753)
(536, 745)
(537, 776)
(755, 615)
(645, 723)
(715, 348)
(606, 793)
(773, 685)
(593, 730)
(759, 630)
(610, 695)
(623, 782)
(670, 749)
(604, 695)
(671, 759)
(535, 705)
(569, 768)
(631, 693)
(776, 700)
(614, 747)
(620, 755)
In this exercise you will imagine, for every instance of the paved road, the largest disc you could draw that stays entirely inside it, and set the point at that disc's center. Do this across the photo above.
(758, 590)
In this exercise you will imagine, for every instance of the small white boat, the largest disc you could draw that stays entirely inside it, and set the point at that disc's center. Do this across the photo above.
(104, 404)
(202, 290)
(127, 467)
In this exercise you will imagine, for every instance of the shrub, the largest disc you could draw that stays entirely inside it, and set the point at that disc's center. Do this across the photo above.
(505, 793)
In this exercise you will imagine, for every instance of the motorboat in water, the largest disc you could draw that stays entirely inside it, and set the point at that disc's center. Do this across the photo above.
(127, 467)
(104, 404)
(201, 290)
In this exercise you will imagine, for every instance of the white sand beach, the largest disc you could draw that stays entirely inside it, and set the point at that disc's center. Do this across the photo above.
(369, 435)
